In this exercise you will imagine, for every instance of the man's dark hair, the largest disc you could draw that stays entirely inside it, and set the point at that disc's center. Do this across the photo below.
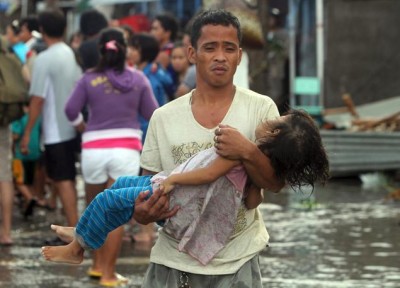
(92, 22)
(296, 151)
(147, 45)
(31, 22)
(53, 23)
(169, 23)
(214, 17)
(110, 58)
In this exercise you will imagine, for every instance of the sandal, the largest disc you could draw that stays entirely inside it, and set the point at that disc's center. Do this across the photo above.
(96, 275)
(121, 280)
(93, 274)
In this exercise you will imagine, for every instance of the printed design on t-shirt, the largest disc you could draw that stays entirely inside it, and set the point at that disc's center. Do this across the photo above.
(184, 151)
(241, 221)
(108, 87)
(98, 80)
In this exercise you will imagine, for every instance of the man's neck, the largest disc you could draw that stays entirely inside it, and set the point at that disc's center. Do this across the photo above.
(141, 66)
(212, 95)
(51, 41)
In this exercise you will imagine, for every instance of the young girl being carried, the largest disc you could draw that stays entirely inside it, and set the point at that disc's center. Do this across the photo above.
(294, 147)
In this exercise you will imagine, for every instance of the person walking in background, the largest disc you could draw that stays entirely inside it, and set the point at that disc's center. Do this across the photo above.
(55, 72)
(180, 62)
(6, 186)
(24, 165)
(29, 33)
(144, 50)
(165, 29)
(90, 25)
(112, 140)
(10, 68)
(188, 83)
(16, 46)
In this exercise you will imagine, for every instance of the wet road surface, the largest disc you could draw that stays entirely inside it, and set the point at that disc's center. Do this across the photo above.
(344, 235)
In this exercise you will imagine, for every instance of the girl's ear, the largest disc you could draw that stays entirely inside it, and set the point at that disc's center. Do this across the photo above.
(274, 132)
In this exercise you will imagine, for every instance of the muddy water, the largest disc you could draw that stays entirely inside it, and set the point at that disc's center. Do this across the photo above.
(344, 235)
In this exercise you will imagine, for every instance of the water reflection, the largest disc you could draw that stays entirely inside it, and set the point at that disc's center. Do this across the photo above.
(344, 235)
(341, 236)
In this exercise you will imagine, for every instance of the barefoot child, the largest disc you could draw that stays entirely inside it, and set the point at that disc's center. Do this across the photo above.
(208, 210)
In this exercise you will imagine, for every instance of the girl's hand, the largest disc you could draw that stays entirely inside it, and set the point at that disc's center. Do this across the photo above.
(167, 186)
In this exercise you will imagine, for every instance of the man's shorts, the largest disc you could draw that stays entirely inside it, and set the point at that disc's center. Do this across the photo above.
(60, 160)
(24, 171)
(248, 276)
(100, 164)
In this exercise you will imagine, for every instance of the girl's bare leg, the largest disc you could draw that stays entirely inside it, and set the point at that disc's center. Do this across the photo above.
(71, 253)
(66, 234)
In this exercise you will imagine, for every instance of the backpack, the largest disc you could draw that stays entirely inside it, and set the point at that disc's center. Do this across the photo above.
(13, 88)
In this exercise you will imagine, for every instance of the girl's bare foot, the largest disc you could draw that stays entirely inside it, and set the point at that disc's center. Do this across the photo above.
(70, 253)
(66, 234)
(6, 241)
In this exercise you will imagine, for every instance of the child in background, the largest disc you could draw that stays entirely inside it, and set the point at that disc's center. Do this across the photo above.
(179, 61)
(24, 165)
(143, 51)
(294, 147)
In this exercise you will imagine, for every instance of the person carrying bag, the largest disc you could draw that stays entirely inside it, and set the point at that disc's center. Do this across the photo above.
(13, 88)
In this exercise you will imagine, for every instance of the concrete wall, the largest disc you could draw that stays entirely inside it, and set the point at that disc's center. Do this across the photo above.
(362, 46)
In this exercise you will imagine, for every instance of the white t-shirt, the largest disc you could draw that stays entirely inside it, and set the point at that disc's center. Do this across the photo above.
(174, 136)
(55, 73)
(241, 77)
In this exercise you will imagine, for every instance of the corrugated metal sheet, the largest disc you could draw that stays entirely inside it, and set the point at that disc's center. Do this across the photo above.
(351, 153)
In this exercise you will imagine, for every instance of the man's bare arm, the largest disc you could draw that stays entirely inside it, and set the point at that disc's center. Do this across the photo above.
(233, 145)
(255, 197)
(35, 109)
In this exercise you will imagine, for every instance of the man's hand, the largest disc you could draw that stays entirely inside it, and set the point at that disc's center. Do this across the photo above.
(153, 209)
(231, 144)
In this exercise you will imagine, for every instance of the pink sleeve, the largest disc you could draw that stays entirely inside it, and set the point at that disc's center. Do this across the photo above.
(238, 177)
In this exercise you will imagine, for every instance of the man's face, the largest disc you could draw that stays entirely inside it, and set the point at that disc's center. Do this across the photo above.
(217, 55)
(25, 34)
(158, 31)
(11, 37)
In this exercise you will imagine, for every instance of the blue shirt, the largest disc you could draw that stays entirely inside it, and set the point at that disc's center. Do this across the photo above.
(17, 128)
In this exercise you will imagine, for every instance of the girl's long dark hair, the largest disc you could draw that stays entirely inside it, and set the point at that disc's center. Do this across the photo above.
(110, 58)
(296, 151)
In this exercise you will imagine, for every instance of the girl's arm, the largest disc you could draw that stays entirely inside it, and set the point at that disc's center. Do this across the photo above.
(219, 167)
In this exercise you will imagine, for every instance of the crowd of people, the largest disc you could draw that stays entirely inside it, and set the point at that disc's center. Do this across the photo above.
(122, 101)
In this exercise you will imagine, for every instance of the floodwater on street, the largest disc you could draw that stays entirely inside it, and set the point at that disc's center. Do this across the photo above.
(344, 235)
